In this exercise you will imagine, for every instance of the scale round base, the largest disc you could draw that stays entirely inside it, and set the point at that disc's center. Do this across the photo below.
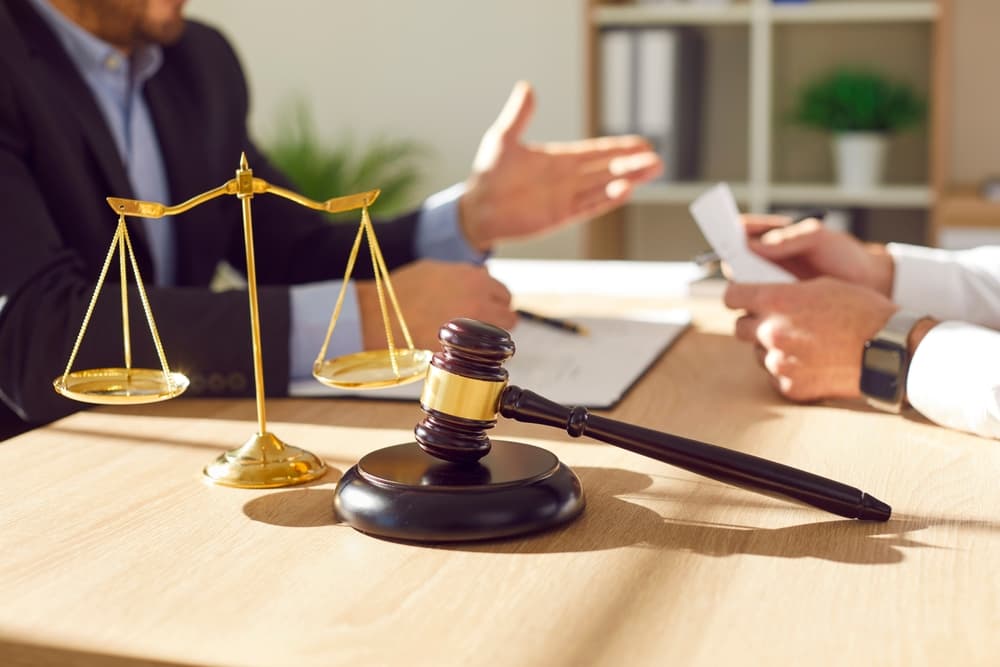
(372, 369)
(265, 462)
(117, 386)
(403, 493)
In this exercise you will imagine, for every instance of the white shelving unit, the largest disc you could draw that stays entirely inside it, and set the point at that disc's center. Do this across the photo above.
(760, 17)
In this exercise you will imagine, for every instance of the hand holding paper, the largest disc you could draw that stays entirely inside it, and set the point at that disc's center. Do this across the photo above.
(718, 218)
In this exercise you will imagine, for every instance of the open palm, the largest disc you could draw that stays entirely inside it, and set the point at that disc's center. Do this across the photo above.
(519, 189)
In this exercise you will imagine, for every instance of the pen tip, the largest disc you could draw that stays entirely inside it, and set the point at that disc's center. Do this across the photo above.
(873, 509)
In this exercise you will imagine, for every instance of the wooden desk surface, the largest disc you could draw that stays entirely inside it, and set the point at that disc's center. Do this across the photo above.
(113, 551)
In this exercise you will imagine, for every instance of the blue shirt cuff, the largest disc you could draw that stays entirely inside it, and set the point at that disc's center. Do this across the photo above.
(311, 307)
(438, 233)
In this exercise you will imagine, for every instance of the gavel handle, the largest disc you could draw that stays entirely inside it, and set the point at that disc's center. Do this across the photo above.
(725, 465)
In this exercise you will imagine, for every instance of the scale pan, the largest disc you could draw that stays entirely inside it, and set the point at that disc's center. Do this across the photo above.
(118, 386)
(372, 369)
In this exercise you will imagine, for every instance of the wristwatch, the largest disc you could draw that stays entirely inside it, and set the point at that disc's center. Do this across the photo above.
(885, 361)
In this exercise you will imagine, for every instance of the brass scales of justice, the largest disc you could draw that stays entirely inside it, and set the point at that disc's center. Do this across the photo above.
(264, 460)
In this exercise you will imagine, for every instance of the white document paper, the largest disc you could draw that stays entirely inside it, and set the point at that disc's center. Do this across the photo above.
(594, 370)
(718, 218)
(602, 277)
(656, 50)
(616, 81)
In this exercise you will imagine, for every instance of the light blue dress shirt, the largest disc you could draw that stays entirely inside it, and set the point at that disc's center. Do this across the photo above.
(117, 81)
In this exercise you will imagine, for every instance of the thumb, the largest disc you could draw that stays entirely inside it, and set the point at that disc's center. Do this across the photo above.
(516, 112)
(790, 241)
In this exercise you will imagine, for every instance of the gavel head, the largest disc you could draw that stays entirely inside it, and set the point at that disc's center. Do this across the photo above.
(461, 395)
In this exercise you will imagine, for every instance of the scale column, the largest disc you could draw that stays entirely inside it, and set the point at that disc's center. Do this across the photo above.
(244, 191)
(264, 460)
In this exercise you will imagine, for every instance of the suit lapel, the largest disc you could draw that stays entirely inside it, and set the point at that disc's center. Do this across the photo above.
(178, 123)
(59, 75)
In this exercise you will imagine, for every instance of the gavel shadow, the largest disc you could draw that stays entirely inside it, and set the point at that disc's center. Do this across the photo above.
(611, 522)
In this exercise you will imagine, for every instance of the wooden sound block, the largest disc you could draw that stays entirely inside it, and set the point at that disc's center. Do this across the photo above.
(403, 493)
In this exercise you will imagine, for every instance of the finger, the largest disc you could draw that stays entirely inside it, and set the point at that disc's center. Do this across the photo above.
(789, 241)
(600, 200)
(767, 298)
(756, 224)
(777, 333)
(498, 292)
(505, 318)
(746, 328)
(638, 168)
(612, 183)
(590, 172)
(516, 112)
(779, 364)
(761, 353)
(742, 295)
(600, 148)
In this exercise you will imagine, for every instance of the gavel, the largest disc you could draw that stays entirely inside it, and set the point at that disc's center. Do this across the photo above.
(467, 388)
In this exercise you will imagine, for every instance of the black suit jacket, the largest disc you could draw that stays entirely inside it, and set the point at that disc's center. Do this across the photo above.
(58, 162)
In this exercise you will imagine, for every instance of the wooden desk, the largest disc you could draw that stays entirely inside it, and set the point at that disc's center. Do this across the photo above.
(113, 551)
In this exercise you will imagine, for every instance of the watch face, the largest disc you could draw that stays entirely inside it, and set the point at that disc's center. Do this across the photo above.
(882, 370)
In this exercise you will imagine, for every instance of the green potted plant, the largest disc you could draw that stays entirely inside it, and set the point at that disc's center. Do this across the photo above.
(322, 170)
(861, 109)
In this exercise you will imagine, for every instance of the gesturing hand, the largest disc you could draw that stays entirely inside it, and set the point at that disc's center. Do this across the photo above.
(519, 189)
(809, 249)
(809, 335)
(430, 293)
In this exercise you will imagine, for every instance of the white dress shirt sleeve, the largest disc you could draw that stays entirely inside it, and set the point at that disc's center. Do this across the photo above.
(948, 284)
(954, 376)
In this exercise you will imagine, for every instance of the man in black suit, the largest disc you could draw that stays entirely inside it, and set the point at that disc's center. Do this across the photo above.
(126, 98)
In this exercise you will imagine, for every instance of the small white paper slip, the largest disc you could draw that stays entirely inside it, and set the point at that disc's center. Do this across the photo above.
(718, 218)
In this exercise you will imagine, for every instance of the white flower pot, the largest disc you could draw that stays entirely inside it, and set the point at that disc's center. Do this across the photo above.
(859, 159)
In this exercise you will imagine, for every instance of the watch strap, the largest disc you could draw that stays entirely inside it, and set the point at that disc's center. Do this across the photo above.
(899, 326)
(897, 332)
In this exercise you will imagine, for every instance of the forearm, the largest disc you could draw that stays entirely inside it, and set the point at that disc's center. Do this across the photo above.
(204, 335)
(312, 307)
(442, 229)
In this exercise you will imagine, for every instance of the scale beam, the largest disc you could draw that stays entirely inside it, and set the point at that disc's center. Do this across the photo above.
(264, 460)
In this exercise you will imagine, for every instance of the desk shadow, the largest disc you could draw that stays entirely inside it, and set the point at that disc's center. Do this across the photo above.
(609, 522)
(133, 436)
(213, 445)
(296, 508)
(22, 653)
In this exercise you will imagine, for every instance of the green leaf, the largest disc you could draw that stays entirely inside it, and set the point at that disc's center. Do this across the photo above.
(851, 100)
(319, 170)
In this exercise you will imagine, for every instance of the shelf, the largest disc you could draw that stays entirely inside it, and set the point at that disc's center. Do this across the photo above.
(806, 194)
(668, 14)
(821, 194)
(812, 12)
(964, 207)
(781, 45)
(682, 193)
(868, 12)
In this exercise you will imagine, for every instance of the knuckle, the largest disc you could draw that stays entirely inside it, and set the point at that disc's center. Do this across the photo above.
(779, 364)
(795, 388)
(771, 334)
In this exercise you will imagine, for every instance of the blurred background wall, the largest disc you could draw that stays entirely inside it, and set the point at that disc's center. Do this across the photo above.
(437, 71)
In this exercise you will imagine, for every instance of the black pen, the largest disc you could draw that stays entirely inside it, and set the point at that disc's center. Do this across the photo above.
(565, 325)
(710, 257)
